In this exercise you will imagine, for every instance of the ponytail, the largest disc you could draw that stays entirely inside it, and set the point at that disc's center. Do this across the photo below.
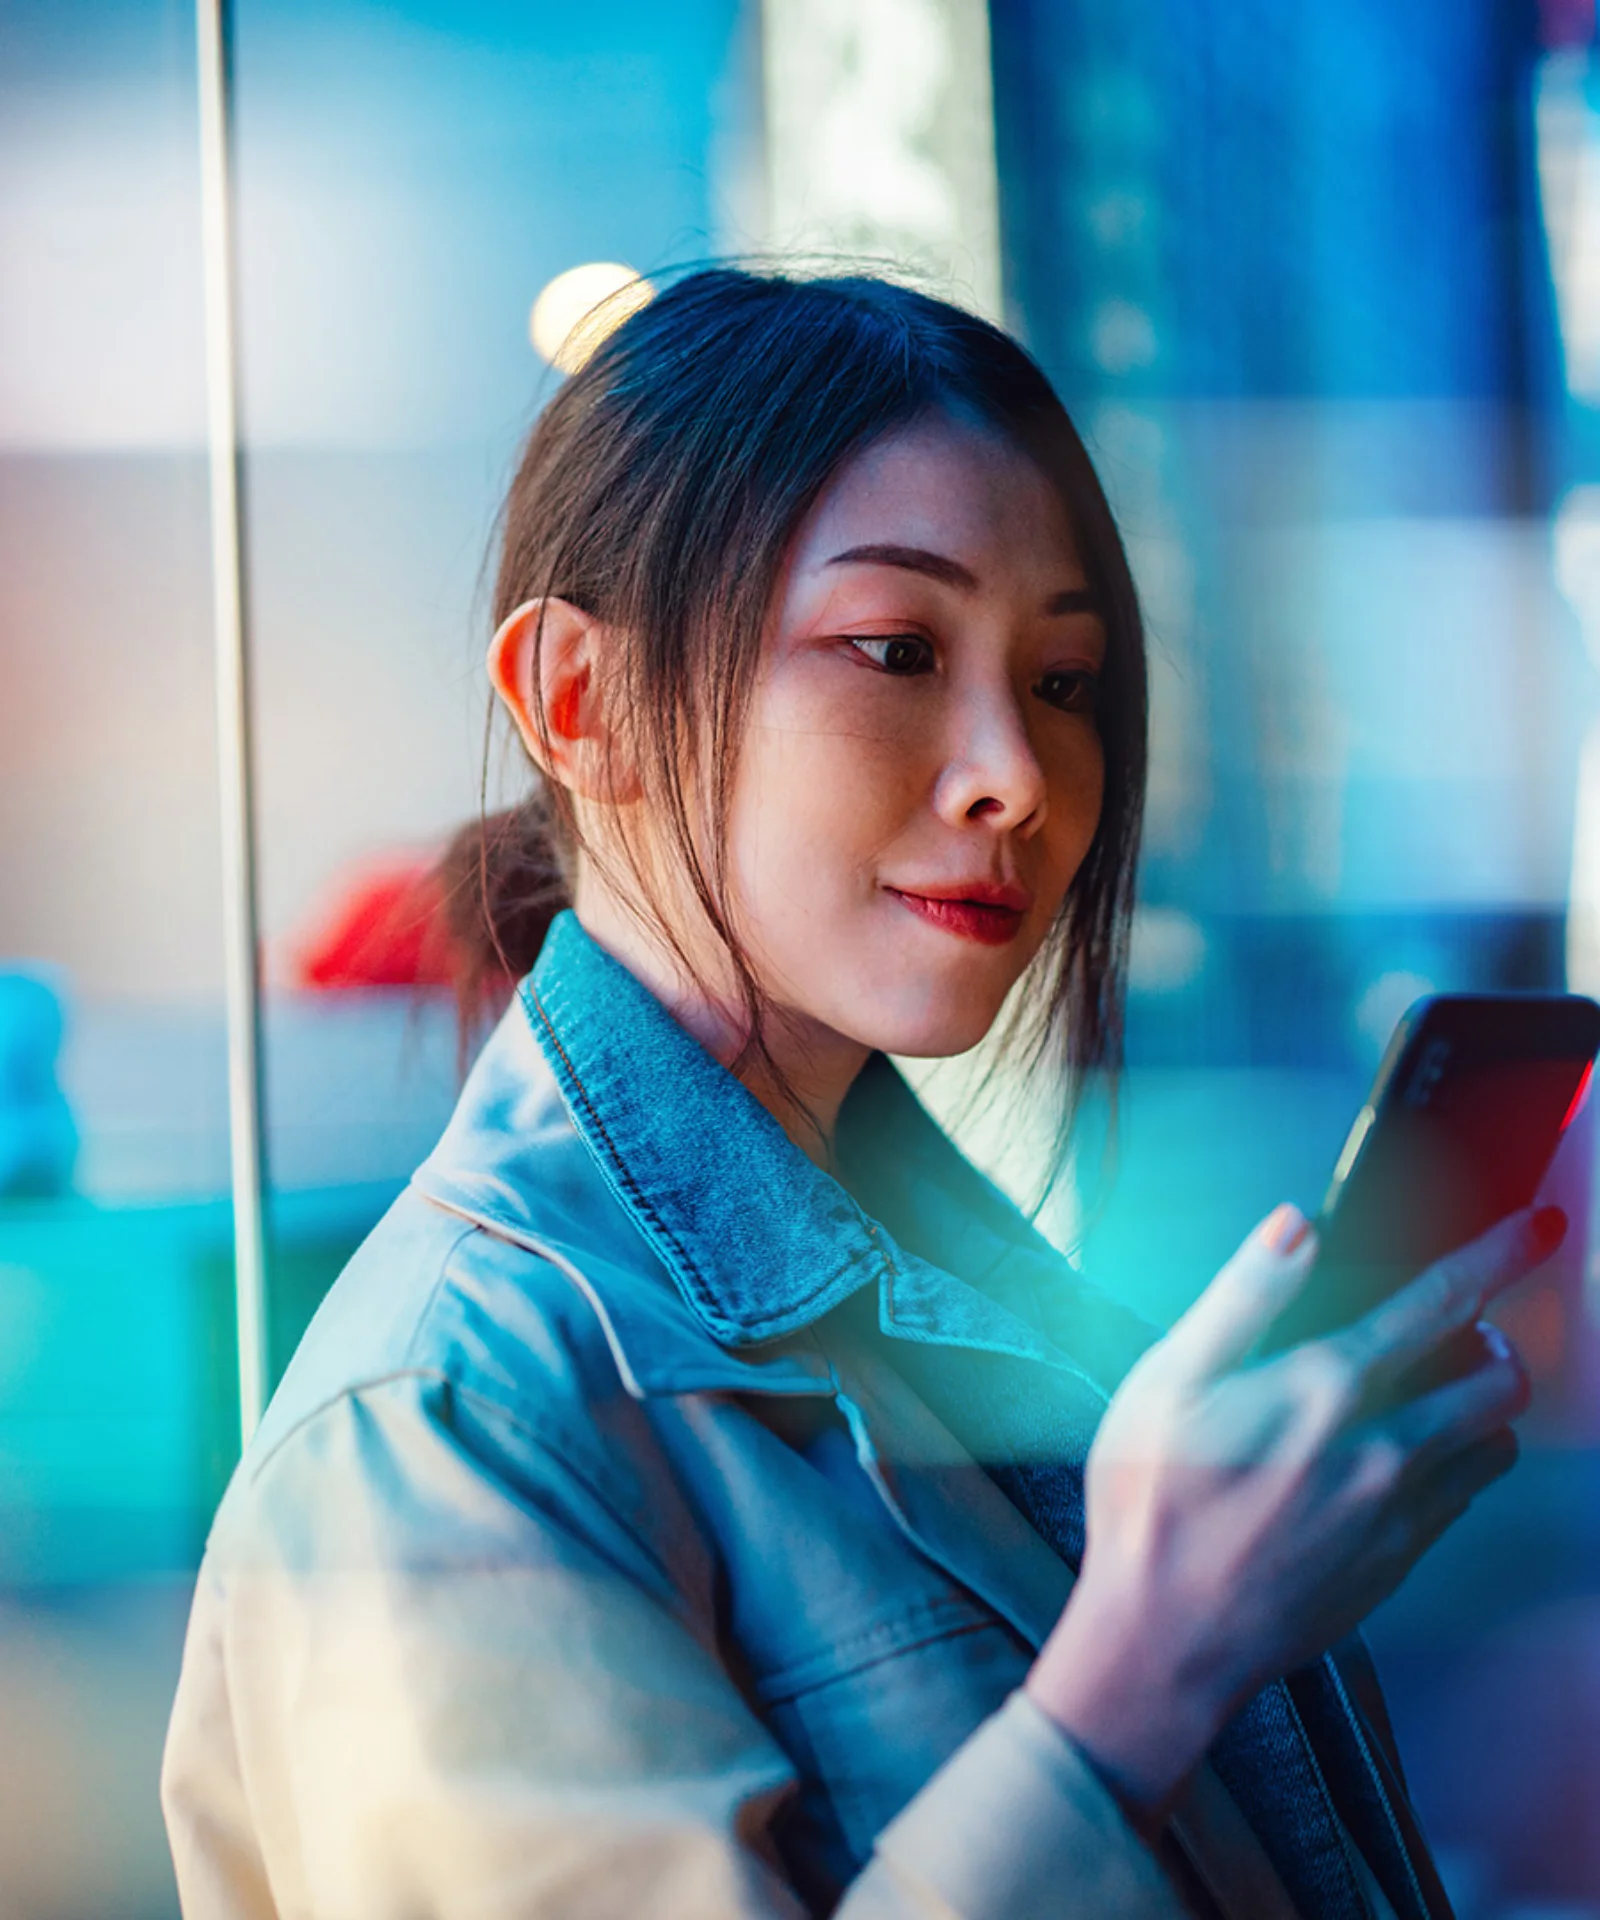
(504, 878)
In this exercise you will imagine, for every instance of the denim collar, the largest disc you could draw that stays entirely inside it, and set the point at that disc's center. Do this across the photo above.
(760, 1241)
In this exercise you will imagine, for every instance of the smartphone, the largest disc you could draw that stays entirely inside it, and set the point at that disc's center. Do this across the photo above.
(1464, 1117)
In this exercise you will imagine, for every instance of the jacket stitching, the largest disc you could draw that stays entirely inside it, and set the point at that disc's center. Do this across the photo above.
(619, 1165)
(1345, 1839)
(704, 1293)
(753, 1380)
(406, 1370)
(546, 1434)
(889, 1267)
(926, 1625)
(1359, 1731)
(569, 1271)
(408, 1359)
(552, 1440)
(557, 1442)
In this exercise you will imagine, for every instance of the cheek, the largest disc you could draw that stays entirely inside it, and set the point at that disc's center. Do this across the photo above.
(826, 785)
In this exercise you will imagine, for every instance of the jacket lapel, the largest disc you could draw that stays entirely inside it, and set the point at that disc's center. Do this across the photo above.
(939, 1494)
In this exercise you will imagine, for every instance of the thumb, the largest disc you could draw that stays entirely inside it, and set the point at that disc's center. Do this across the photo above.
(1248, 1294)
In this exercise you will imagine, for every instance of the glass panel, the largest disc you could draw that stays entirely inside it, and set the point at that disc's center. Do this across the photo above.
(114, 1217)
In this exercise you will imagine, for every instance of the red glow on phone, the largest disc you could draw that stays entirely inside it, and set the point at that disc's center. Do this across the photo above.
(1578, 1097)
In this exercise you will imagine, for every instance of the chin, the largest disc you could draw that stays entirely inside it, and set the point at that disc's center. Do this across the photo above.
(932, 1034)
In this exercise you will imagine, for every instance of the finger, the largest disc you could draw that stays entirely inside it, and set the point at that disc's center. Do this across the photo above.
(1457, 1481)
(1247, 1295)
(1462, 1412)
(1451, 1294)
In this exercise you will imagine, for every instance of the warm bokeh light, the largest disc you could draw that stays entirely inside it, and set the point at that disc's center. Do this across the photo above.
(580, 307)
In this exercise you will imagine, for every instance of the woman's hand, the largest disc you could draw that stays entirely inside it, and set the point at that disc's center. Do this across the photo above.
(1245, 1515)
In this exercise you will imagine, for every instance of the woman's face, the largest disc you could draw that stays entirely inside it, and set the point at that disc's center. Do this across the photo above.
(922, 775)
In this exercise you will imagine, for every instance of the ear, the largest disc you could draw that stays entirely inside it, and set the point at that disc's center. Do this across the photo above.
(546, 662)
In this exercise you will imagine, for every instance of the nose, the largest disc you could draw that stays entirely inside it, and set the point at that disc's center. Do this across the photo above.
(991, 771)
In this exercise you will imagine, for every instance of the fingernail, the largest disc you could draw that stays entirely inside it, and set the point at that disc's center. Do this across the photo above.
(1491, 1336)
(1285, 1228)
(1549, 1229)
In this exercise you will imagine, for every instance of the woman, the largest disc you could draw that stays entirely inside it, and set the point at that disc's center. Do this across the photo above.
(685, 1502)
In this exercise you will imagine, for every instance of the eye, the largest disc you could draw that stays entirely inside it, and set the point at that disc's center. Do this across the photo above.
(897, 653)
(1072, 690)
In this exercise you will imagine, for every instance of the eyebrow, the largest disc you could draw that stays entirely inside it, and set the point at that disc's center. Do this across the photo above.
(951, 573)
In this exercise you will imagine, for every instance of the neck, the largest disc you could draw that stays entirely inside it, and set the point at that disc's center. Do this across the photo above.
(809, 1069)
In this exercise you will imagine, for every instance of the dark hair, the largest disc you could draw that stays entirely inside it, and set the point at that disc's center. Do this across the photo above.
(660, 491)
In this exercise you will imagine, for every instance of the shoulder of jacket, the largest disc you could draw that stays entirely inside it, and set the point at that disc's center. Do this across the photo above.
(502, 1399)
(431, 1297)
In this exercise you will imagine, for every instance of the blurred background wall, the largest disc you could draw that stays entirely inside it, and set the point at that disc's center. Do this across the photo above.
(1322, 287)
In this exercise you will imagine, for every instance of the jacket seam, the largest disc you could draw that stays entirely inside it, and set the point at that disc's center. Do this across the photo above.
(569, 1270)
(1423, 1905)
(616, 1509)
(407, 1368)
(544, 1435)
(446, 1265)
(348, 1391)
(546, 1441)
(1345, 1837)
(873, 1646)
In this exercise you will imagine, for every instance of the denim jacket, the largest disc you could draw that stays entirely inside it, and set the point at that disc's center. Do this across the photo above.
(587, 1564)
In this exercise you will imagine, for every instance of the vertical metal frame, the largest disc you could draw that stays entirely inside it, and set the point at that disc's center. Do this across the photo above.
(233, 715)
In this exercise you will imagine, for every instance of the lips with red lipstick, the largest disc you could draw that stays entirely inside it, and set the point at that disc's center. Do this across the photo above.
(979, 910)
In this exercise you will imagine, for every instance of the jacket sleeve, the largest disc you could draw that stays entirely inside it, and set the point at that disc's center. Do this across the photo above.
(412, 1687)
